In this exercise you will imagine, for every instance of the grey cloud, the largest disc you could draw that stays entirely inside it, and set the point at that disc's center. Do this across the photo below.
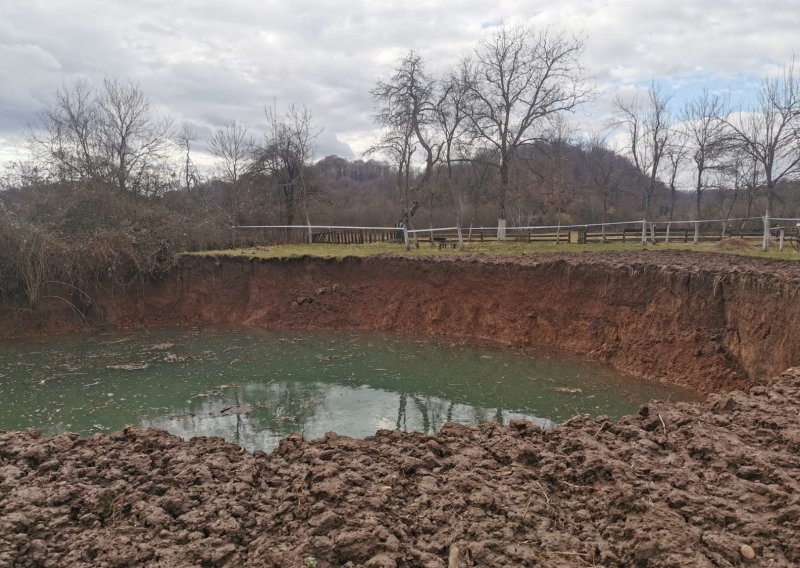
(210, 62)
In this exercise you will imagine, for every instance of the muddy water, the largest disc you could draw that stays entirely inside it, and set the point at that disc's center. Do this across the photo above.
(254, 388)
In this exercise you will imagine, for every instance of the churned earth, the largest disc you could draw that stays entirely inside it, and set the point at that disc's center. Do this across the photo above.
(679, 484)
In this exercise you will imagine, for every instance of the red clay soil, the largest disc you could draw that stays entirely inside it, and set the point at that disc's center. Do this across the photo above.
(709, 322)
(676, 485)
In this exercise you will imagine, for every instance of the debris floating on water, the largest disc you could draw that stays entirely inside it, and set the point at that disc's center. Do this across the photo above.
(129, 366)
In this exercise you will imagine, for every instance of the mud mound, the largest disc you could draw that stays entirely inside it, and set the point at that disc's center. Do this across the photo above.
(736, 244)
(676, 485)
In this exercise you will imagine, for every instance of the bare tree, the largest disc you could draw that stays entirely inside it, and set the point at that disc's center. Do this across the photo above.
(707, 142)
(406, 106)
(233, 147)
(556, 174)
(769, 131)
(648, 128)
(184, 139)
(451, 115)
(67, 137)
(397, 144)
(134, 141)
(733, 177)
(676, 155)
(109, 136)
(520, 80)
(287, 153)
(605, 172)
(747, 178)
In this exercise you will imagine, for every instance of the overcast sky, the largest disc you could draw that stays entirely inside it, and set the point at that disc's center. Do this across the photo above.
(206, 62)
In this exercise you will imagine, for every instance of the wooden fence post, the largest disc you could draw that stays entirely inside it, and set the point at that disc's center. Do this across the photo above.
(765, 244)
(666, 238)
(644, 231)
(780, 246)
(696, 233)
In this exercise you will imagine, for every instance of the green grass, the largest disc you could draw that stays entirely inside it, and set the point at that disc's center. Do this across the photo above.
(489, 249)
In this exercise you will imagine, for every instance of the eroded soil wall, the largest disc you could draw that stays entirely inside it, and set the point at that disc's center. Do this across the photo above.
(704, 321)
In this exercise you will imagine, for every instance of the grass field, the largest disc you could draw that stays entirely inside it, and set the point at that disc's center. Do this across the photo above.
(729, 246)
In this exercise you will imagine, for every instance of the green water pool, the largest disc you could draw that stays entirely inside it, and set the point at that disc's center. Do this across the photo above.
(255, 387)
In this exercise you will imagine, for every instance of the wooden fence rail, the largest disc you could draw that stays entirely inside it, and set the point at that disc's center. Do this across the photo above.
(356, 236)
(629, 231)
(483, 236)
(266, 236)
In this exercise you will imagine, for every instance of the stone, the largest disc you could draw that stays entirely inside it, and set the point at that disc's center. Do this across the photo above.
(747, 552)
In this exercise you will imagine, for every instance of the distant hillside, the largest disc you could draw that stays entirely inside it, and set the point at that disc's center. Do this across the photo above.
(563, 182)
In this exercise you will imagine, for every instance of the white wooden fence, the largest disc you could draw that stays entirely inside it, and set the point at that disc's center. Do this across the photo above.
(764, 229)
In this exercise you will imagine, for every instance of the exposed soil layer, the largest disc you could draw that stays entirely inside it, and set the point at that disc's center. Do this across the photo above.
(677, 485)
(710, 322)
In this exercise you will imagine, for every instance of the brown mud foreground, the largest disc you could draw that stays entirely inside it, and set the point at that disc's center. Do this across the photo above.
(706, 484)
(709, 322)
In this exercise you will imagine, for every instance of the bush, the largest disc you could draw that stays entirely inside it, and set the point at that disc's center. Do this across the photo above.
(68, 241)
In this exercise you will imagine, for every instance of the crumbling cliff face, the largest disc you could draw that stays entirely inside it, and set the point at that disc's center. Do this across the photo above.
(709, 322)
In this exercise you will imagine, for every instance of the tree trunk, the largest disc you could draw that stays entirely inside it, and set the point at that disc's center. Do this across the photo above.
(673, 194)
(501, 217)
(770, 196)
(188, 165)
(698, 198)
(308, 222)
(605, 216)
(647, 217)
(289, 198)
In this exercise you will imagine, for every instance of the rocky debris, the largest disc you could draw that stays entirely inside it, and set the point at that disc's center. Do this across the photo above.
(707, 484)
(326, 289)
(747, 552)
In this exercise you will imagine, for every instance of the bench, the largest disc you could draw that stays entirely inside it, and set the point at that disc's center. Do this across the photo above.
(443, 242)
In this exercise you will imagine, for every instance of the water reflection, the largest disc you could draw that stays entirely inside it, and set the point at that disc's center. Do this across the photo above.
(254, 388)
(321, 408)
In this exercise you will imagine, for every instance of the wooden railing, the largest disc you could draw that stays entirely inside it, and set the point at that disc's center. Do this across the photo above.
(757, 229)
